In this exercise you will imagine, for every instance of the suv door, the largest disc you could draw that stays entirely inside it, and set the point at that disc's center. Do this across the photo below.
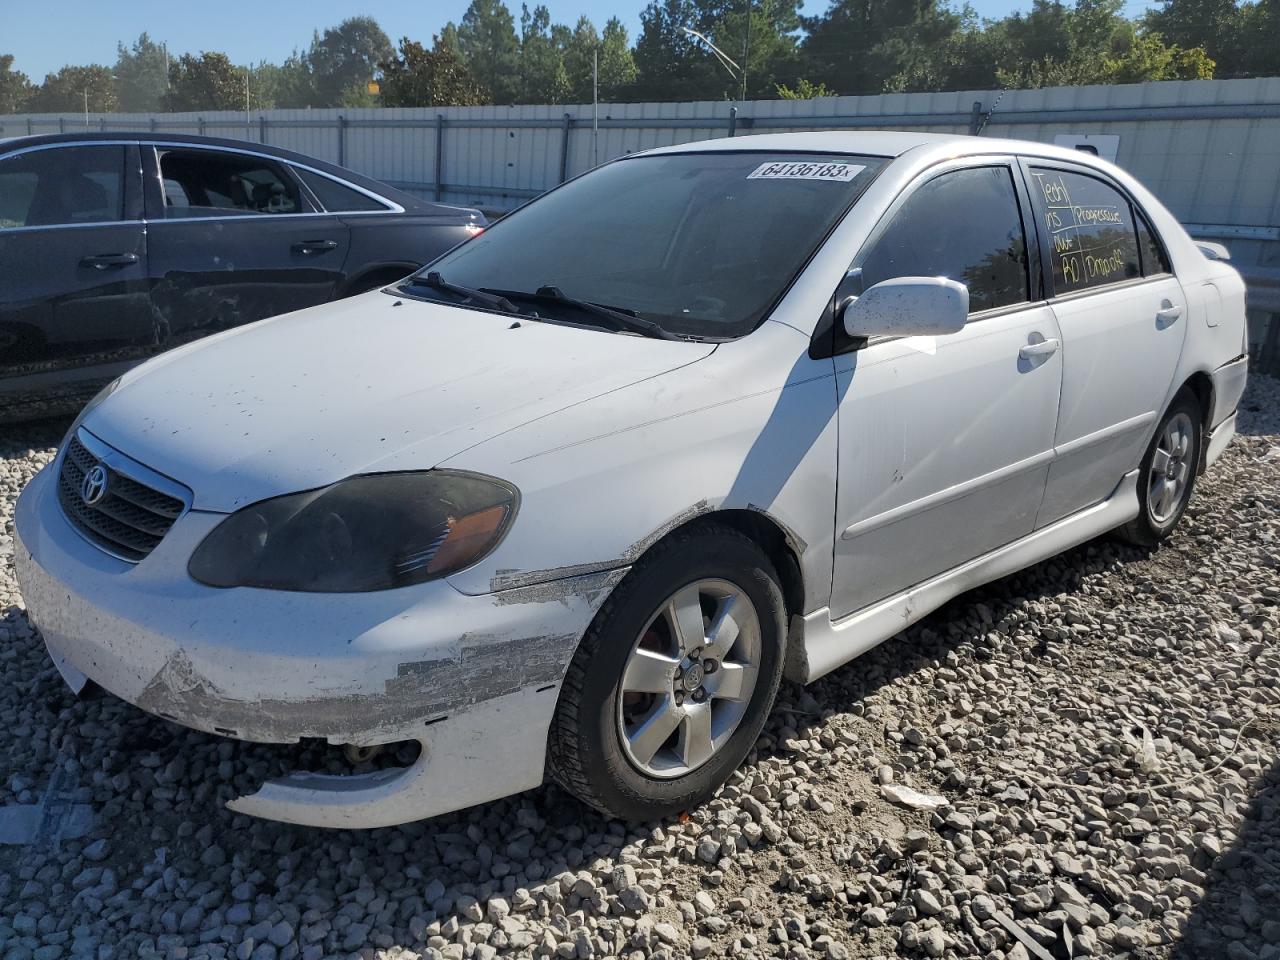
(73, 263)
(234, 239)
(945, 442)
(1122, 326)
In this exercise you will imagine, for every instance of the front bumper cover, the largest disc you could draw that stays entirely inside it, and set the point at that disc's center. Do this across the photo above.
(474, 679)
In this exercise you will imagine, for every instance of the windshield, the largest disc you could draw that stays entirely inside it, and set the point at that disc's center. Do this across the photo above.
(699, 244)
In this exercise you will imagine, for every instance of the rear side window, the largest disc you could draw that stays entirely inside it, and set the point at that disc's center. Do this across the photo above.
(1089, 225)
(62, 186)
(204, 183)
(335, 197)
(963, 225)
(1154, 259)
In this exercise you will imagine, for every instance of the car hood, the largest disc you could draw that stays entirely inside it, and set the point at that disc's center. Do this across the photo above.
(362, 385)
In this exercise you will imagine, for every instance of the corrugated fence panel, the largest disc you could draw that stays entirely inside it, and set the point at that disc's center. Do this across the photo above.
(1210, 148)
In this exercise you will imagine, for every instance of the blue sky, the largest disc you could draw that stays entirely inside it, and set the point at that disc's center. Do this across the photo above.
(48, 34)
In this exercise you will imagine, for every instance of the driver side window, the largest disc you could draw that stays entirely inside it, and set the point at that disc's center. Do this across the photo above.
(962, 225)
(206, 183)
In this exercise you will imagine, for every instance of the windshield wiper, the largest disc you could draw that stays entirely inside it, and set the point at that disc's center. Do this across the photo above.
(437, 282)
(624, 321)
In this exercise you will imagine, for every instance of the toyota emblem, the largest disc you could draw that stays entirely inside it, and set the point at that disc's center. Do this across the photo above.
(94, 486)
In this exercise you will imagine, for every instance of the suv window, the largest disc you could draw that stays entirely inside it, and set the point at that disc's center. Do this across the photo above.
(962, 225)
(204, 183)
(1090, 230)
(62, 185)
(334, 196)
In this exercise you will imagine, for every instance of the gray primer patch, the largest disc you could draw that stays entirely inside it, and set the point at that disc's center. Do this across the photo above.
(592, 588)
(506, 580)
(484, 667)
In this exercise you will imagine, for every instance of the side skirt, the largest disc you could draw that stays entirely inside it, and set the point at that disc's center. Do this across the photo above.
(828, 645)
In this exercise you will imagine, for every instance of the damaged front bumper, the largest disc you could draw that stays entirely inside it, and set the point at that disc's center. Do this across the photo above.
(474, 679)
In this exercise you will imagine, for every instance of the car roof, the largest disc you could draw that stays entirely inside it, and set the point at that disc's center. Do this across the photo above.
(880, 143)
(408, 201)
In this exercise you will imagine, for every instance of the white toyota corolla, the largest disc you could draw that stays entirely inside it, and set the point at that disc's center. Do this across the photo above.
(574, 498)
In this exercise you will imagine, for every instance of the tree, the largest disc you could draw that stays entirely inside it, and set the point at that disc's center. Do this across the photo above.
(858, 46)
(15, 88)
(580, 53)
(673, 64)
(286, 85)
(542, 68)
(68, 90)
(206, 82)
(489, 46)
(804, 90)
(419, 77)
(617, 65)
(344, 59)
(141, 75)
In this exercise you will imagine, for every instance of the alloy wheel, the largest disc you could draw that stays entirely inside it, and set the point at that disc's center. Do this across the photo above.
(689, 678)
(1171, 465)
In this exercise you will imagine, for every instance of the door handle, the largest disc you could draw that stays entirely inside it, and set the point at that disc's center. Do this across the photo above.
(105, 261)
(1168, 313)
(1045, 348)
(309, 247)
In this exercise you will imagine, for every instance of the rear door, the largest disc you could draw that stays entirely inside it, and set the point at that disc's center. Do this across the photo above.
(234, 238)
(73, 265)
(1122, 315)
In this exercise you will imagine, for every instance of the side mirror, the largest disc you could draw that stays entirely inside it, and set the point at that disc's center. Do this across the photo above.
(908, 307)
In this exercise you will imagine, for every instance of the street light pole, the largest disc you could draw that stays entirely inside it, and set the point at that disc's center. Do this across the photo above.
(725, 60)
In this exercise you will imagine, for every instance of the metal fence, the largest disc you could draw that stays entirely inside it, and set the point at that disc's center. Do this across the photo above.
(1210, 149)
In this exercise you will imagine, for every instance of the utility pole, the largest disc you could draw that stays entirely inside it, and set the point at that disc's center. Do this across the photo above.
(86, 108)
(595, 107)
(246, 103)
(746, 52)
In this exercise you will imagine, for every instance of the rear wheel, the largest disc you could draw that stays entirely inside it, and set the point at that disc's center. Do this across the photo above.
(1167, 476)
(675, 678)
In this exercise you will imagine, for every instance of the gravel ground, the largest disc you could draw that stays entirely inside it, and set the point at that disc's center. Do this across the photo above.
(1104, 728)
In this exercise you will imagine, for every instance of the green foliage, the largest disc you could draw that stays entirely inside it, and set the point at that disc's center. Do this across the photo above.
(15, 88)
(418, 77)
(617, 66)
(66, 91)
(674, 65)
(804, 89)
(487, 40)
(851, 47)
(344, 59)
(543, 78)
(207, 82)
(141, 75)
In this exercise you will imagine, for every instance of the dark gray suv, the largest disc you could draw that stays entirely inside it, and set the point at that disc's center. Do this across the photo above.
(114, 247)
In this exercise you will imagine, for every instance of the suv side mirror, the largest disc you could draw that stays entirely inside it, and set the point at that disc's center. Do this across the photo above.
(908, 307)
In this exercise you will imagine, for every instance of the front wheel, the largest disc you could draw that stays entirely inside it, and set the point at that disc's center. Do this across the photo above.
(1167, 475)
(674, 679)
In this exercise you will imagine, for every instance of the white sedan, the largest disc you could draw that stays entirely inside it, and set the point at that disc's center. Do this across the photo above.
(573, 499)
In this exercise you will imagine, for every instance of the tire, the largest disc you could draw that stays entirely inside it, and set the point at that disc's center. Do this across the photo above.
(598, 741)
(1179, 434)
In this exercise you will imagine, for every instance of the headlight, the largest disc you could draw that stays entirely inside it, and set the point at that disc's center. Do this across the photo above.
(371, 532)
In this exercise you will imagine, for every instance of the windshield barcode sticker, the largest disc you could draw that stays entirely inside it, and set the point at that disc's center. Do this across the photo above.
(773, 170)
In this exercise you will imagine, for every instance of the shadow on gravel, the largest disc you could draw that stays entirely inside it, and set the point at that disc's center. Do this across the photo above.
(1239, 917)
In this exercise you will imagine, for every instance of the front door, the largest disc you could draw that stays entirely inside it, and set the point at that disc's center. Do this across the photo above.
(73, 268)
(1122, 315)
(945, 442)
(233, 240)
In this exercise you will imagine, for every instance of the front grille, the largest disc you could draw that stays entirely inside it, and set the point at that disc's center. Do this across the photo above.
(130, 519)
